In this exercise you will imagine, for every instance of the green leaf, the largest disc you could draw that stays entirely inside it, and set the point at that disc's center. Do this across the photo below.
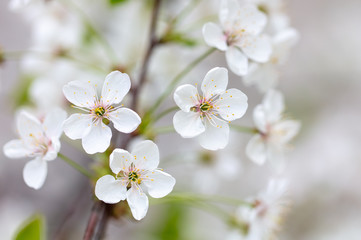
(115, 2)
(32, 229)
(179, 38)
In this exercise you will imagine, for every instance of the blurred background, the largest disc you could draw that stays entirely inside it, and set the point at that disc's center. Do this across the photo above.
(321, 83)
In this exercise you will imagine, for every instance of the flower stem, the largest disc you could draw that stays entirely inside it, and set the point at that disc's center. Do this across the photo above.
(81, 169)
(177, 78)
(165, 112)
(244, 129)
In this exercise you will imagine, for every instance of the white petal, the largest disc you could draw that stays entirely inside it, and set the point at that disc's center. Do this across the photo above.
(77, 125)
(53, 123)
(28, 126)
(80, 93)
(188, 124)
(116, 86)
(256, 150)
(282, 44)
(35, 172)
(50, 155)
(213, 36)
(237, 61)
(250, 19)
(276, 156)
(215, 137)
(286, 130)
(159, 183)
(138, 202)
(257, 48)
(215, 82)
(232, 104)
(265, 76)
(16, 149)
(109, 190)
(228, 12)
(186, 96)
(146, 155)
(273, 104)
(125, 120)
(98, 138)
(259, 118)
(120, 160)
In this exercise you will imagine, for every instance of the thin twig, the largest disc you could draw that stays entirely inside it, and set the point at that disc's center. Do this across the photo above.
(76, 166)
(153, 42)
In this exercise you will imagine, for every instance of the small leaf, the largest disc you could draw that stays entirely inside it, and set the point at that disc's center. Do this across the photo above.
(32, 229)
(179, 38)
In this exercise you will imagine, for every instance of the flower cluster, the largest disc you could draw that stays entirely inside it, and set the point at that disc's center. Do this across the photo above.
(67, 68)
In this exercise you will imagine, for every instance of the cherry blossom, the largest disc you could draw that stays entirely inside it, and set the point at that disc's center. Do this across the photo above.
(240, 35)
(91, 126)
(274, 131)
(135, 173)
(208, 115)
(38, 140)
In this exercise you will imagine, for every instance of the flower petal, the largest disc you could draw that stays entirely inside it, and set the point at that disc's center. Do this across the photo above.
(16, 149)
(35, 172)
(53, 123)
(125, 120)
(186, 96)
(28, 127)
(116, 86)
(228, 13)
(146, 155)
(110, 190)
(215, 136)
(215, 82)
(138, 202)
(273, 104)
(213, 36)
(259, 118)
(276, 156)
(77, 125)
(250, 19)
(97, 139)
(80, 93)
(256, 150)
(286, 130)
(159, 183)
(264, 75)
(232, 104)
(188, 124)
(257, 48)
(120, 160)
(237, 61)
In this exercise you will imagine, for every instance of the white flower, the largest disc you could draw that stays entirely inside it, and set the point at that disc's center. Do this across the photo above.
(136, 172)
(89, 126)
(207, 116)
(266, 75)
(239, 35)
(263, 220)
(274, 131)
(39, 140)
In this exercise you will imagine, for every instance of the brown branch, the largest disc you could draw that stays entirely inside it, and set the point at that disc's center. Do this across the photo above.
(153, 42)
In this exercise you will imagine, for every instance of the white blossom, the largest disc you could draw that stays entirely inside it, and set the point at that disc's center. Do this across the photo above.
(208, 115)
(266, 75)
(90, 126)
(274, 131)
(135, 174)
(38, 140)
(263, 220)
(240, 35)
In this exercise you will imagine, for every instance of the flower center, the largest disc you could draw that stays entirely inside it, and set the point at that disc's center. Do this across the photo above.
(99, 111)
(205, 107)
(133, 176)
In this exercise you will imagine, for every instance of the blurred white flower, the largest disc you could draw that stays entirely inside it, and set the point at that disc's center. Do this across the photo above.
(264, 219)
(207, 116)
(239, 35)
(136, 172)
(20, 4)
(274, 131)
(90, 127)
(39, 140)
(266, 75)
